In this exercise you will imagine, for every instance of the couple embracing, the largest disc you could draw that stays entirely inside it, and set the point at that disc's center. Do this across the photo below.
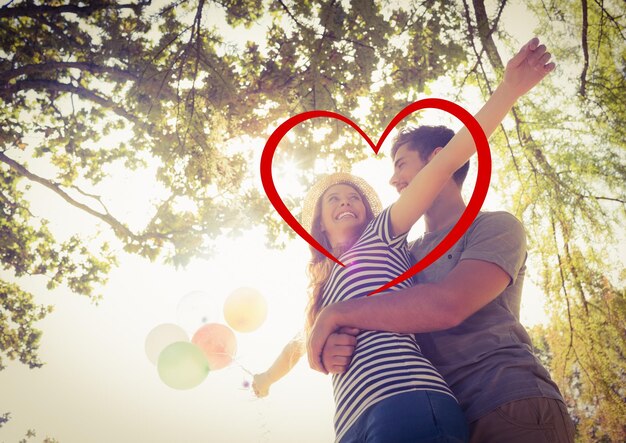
(441, 357)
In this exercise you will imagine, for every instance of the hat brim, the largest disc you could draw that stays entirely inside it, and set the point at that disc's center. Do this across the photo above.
(325, 182)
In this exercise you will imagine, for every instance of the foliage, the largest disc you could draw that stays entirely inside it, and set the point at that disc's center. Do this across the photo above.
(567, 157)
(90, 89)
(18, 339)
(32, 434)
(4, 418)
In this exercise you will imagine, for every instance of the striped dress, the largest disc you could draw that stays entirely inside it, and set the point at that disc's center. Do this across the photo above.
(384, 363)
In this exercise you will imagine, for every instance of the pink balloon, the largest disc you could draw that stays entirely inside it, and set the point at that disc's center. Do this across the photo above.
(218, 343)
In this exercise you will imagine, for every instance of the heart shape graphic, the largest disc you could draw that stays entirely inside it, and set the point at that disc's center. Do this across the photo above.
(471, 211)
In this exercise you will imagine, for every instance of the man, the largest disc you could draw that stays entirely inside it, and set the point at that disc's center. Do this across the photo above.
(464, 309)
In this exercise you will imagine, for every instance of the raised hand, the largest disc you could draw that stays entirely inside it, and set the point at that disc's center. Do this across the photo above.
(527, 68)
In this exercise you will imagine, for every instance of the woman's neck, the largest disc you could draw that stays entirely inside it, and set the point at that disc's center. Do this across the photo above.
(341, 245)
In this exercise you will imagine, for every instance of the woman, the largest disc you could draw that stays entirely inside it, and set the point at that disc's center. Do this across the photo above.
(390, 392)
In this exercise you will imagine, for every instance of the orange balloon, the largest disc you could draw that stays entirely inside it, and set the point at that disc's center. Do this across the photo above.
(218, 343)
(245, 309)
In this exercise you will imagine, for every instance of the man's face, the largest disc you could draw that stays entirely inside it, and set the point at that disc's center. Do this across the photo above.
(406, 164)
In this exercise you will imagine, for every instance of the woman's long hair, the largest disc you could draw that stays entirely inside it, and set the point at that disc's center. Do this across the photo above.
(320, 266)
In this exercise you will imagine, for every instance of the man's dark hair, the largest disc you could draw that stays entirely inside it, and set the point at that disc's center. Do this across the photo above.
(424, 140)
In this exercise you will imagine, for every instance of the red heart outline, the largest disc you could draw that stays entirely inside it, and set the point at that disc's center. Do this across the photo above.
(471, 211)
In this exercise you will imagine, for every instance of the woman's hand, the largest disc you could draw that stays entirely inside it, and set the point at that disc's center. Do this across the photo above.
(261, 385)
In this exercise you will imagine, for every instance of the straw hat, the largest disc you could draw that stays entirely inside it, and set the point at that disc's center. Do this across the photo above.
(325, 182)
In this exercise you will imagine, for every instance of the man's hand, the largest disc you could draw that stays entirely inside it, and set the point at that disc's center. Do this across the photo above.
(322, 328)
(339, 349)
(527, 68)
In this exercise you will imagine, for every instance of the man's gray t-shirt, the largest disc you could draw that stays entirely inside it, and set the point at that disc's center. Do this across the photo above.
(487, 360)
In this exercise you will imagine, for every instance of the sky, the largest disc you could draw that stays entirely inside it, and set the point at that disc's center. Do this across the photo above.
(98, 384)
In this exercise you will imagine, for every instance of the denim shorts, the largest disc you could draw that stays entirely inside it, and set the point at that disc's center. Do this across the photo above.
(411, 417)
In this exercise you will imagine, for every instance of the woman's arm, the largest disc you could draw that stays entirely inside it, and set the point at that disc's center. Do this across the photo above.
(286, 360)
(522, 73)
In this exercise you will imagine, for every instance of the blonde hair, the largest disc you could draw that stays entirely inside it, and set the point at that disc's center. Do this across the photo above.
(320, 266)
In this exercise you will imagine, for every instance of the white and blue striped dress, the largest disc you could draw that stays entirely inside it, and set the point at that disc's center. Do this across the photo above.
(384, 363)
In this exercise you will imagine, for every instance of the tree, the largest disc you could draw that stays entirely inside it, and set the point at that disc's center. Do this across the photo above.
(567, 155)
(88, 88)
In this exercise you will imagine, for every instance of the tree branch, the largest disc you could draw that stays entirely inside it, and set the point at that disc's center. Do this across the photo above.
(599, 197)
(484, 33)
(52, 85)
(570, 347)
(52, 65)
(284, 6)
(479, 62)
(323, 35)
(35, 10)
(478, 55)
(585, 25)
(120, 229)
(613, 19)
(486, 39)
(198, 47)
(95, 197)
(107, 218)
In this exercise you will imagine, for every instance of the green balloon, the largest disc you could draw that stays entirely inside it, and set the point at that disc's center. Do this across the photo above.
(182, 365)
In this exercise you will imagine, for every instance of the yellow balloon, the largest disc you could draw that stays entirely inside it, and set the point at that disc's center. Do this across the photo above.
(245, 309)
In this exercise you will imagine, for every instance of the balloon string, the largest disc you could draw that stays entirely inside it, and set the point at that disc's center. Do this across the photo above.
(243, 368)
(233, 359)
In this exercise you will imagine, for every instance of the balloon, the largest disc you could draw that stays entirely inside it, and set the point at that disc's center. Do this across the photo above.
(161, 336)
(218, 343)
(182, 365)
(245, 309)
(196, 309)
